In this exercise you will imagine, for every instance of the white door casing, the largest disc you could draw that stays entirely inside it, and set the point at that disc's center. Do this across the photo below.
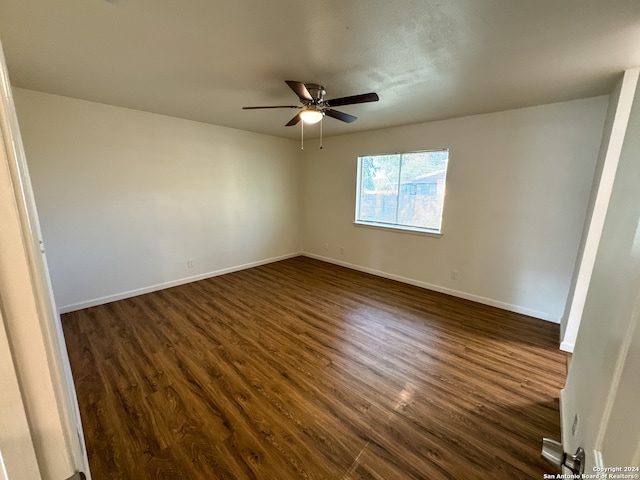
(599, 402)
(615, 128)
(31, 322)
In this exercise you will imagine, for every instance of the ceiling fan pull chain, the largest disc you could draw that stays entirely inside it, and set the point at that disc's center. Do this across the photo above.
(321, 132)
(302, 147)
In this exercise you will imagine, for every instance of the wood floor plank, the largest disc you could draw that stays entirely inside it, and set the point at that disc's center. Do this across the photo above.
(302, 369)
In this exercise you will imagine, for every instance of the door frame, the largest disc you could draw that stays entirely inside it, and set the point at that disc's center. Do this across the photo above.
(32, 323)
(601, 388)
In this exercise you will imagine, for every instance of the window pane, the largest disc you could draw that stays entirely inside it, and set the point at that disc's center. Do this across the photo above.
(422, 179)
(404, 190)
(379, 188)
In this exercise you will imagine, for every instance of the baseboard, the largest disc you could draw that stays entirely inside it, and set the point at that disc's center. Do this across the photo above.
(173, 283)
(567, 346)
(438, 288)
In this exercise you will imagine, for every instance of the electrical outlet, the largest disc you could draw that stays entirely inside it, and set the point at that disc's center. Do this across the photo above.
(341, 250)
(190, 263)
(326, 247)
(454, 274)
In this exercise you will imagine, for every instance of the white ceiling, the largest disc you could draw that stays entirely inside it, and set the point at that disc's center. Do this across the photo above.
(430, 59)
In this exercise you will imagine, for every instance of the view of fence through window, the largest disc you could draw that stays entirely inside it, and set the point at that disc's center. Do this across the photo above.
(402, 190)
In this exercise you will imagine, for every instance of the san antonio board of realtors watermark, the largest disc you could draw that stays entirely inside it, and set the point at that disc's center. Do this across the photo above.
(600, 473)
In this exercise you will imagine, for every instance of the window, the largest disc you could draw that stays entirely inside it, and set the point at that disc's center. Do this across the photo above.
(402, 191)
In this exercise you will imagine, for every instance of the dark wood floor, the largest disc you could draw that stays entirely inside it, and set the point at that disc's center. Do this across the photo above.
(302, 369)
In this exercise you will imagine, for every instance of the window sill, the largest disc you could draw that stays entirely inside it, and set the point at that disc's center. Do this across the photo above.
(399, 229)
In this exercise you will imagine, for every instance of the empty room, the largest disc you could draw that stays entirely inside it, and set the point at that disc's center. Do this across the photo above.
(321, 240)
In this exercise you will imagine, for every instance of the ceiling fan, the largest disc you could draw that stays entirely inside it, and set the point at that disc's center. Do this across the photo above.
(314, 107)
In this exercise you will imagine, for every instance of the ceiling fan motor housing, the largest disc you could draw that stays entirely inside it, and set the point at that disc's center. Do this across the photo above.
(316, 91)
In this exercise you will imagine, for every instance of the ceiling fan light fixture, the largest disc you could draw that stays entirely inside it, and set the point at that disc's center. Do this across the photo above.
(311, 116)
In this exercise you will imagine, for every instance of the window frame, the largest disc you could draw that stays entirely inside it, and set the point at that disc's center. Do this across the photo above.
(396, 226)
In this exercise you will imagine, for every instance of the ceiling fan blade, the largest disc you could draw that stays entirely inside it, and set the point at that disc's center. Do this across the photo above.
(345, 117)
(274, 106)
(300, 90)
(353, 99)
(293, 121)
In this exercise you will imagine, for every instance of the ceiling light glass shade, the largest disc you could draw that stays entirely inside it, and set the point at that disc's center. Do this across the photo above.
(311, 116)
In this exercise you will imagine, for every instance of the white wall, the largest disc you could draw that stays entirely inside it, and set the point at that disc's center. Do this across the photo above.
(620, 101)
(517, 192)
(127, 197)
(603, 385)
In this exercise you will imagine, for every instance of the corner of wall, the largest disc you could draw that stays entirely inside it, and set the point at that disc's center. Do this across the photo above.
(614, 130)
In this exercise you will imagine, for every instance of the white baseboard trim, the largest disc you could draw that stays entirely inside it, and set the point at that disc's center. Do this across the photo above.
(428, 286)
(173, 283)
(567, 346)
(437, 288)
